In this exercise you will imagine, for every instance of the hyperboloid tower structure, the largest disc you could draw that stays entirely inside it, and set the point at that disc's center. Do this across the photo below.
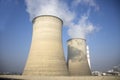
(46, 57)
(77, 57)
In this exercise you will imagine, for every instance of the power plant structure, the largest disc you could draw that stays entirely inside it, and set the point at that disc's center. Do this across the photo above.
(46, 56)
(77, 57)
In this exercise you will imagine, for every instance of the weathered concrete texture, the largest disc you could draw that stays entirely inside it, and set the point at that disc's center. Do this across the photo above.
(46, 57)
(77, 57)
(15, 77)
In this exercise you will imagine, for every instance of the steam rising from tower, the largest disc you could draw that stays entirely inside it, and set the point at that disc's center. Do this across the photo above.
(46, 57)
(79, 28)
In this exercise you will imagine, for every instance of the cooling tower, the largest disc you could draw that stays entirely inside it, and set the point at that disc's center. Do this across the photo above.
(46, 57)
(77, 57)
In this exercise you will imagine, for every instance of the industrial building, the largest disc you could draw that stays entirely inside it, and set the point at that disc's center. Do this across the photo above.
(46, 56)
(77, 57)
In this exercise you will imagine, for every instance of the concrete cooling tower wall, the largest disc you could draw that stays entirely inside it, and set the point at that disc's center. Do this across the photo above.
(77, 57)
(46, 57)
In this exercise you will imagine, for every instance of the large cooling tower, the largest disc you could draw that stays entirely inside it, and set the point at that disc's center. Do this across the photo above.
(77, 57)
(46, 56)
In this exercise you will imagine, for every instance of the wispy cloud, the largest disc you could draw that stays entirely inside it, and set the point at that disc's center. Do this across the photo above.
(61, 9)
(90, 3)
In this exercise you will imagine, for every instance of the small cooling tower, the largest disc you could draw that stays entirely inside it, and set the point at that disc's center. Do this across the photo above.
(77, 57)
(46, 57)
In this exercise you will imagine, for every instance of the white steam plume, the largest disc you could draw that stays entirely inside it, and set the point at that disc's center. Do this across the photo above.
(82, 28)
(50, 7)
(61, 9)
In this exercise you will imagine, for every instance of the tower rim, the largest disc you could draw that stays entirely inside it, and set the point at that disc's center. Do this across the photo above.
(75, 38)
(46, 16)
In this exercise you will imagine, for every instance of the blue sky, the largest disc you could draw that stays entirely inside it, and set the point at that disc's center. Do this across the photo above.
(16, 34)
